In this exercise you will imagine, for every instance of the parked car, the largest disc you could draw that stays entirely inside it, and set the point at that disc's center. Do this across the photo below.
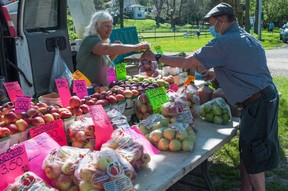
(284, 32)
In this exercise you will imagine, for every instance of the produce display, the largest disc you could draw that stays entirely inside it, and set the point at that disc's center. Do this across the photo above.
(130, 149)
(216, 111)
(29, 181)
(175, 136)
(60, 165)
(79, 166)
(99, 169)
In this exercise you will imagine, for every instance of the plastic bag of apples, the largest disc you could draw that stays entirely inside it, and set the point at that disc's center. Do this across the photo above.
(59, 166)
(29, 181)
(131, 149)
(81, 133)
(101, 170)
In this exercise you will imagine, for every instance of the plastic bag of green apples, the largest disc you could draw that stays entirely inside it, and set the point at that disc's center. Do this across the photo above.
(216, 111)
(167, 136)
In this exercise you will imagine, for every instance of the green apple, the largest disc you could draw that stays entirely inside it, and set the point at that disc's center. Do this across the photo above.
(187, 145)
(163, 144)
(169, 133)
(175, 145)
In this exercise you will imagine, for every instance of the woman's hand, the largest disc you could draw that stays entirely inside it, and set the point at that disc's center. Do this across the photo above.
(142, 46)
(148, 55)
(208, 74)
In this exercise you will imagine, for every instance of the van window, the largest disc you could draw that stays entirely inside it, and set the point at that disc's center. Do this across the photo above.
(41, 14)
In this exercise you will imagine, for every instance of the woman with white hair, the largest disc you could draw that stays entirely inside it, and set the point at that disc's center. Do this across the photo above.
(95, 53)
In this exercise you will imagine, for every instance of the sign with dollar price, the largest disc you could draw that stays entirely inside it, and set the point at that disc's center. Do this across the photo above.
(13, 163)
(102, 125)
(55, 129)
(157, 98)
(13, 89)
(77, 75)
(121, 71)
(80, 88)
(22, 103)
(63, 90)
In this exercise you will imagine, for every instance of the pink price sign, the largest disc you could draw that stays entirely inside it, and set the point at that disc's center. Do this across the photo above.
(22, 103)
(12, 164)
(103, 126)
(13, 89)
(80, 88)
(55, 129)
(63, 90)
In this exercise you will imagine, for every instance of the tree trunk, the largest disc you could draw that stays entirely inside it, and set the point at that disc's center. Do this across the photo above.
(121, 6)
(247, 15)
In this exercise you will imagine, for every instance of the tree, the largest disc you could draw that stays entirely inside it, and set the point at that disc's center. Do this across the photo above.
(247, 16)
(158, 5)
(121, 7)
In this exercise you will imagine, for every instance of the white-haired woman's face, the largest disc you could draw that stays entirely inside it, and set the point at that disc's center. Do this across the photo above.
(105, 29)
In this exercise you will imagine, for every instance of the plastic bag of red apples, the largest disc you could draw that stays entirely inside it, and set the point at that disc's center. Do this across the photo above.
(59, 166)
(80, 133)
(29, 181)
(130, 149)
(100, 170)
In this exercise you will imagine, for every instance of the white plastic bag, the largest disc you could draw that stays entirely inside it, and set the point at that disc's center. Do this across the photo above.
(59, 70)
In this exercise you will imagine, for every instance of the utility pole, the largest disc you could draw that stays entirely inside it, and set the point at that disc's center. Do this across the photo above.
(259, 18)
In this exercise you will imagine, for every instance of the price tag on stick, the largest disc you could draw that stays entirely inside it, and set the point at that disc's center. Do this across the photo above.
(157, 98)
(103, 126)
(63, 90)
(22, 103)
(13, 89)
(13, 163)
(80, 88)
(55, 129)
(121, 71)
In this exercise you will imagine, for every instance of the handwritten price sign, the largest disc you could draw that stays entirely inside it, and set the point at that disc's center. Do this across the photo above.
(103, 126)
(14, 90)
(55, 129)
(63, 90)
(77, 75)
(22, 103)
(121, 71)
(157, 98)
(80, 88)
(12, 164)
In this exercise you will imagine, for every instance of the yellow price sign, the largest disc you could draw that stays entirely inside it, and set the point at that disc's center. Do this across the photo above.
(157, 98)
(77, 75)
(120, 71)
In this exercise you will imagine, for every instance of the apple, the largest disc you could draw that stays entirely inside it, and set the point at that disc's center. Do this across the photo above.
(120, 97)
(21, 115)
(10, 118)
(52, 109)
(99, 178)
(74, 101)
(31, 112)
(145, 158)
(37, 121)
(42, 104)
(66, 168)
(135, 93)
(128, 93)
(86, 186)
(90, 102)
(80, 136)
(42, 110)
(111, 99)
(13, 128)
(4, 132)
(52, 171)
(86, 174)
(77, 111)
(102, 102)
(96, 95)
(64, 182)
(104, 89)
(2, 124)
(85, 108)
(21, 125)
(66, 114)
(89, 130)
(56, 115)
(48, 117)
(90, 144)
(101, 164)
(97, 89)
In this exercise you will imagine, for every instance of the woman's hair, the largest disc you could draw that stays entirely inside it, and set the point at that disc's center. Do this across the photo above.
(96, 20)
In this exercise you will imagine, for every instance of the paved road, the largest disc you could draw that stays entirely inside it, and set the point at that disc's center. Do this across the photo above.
(277, 60)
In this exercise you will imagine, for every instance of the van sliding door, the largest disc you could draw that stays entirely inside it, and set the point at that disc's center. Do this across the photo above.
(41, 25)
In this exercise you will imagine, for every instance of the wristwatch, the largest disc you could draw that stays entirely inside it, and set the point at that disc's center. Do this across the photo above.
(157, 57)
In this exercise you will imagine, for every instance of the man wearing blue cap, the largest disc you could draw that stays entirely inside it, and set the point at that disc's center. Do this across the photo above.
(238, 61)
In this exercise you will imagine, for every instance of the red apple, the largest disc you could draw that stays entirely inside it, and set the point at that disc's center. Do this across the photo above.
(52, 109)
(21, 115)
(10, 118)
(90, 102)
(56, 115)
(37, 121)
(42, 104)
(96, 95)
(4, 132)
(52, 171)
(84, 108)
(21, 125)
(48, 117)
(13, 128)
(111, 99)
(135, 93)
(89, 130)
(31, 112)
(120, 97)
(77, 111)
(127, 93)
(74, 101)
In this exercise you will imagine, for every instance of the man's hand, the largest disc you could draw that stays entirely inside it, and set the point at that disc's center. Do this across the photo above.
(208, 74)
(143, 46)
(148, 55)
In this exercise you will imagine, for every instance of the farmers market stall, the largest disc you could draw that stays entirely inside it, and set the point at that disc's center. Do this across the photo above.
(167, 168)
